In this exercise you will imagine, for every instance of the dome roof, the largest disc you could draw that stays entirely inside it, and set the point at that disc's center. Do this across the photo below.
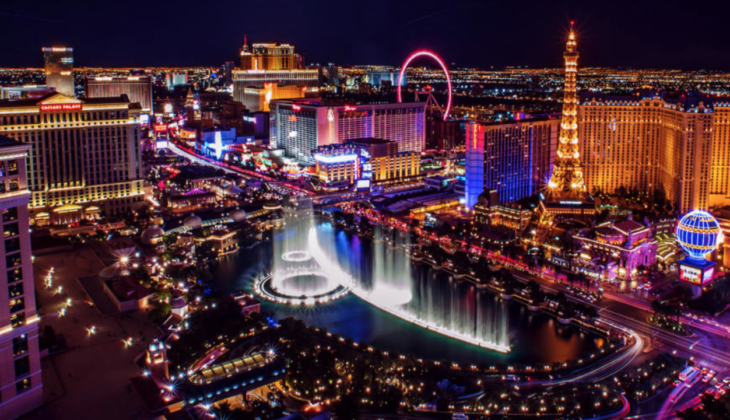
(238, 215)
(152, 235)
(193, 221)
(178, 303)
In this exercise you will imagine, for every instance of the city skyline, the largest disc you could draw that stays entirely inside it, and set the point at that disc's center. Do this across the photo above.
(262, 239)
(622, 35)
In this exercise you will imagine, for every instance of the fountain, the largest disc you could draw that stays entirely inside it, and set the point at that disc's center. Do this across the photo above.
(306, 271)
(394, 288)
(303, 272)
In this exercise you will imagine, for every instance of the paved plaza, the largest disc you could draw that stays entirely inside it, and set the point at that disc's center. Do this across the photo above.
(90, 379)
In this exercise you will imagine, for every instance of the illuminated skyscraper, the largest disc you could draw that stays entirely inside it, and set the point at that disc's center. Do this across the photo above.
(21, 387)
(85, 155)
(680, 146)
(566, 190)
(514, 158)
(59, 63)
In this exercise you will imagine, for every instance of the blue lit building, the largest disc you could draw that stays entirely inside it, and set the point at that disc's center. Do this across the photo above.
(514, 158)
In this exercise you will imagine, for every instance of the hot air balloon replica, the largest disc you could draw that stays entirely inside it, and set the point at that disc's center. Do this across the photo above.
(698, 234)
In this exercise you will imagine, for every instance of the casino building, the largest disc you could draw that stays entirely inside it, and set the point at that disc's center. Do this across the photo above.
(615, 251)
(301, 125)
(85, 155)
(652, 141)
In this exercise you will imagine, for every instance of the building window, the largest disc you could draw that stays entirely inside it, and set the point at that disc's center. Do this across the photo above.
(20, 345)
(15, 275)
(17, 304)
(10, 214)
(17, 319)
(13, 260)
(22, 367)
(12, 167)
(12, 245)
(11, 229)
(15, 290)
(22, 386)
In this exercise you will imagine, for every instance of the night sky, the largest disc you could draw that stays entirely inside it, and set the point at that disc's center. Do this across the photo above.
(639, 33)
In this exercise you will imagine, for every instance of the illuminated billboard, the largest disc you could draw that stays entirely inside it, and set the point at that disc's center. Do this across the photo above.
(363, 184)
(696, 272)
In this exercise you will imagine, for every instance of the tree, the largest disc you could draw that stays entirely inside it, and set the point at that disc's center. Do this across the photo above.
(160, 313)
(205, 252)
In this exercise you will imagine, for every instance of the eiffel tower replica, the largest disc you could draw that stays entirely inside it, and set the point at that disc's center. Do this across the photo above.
(566, 193)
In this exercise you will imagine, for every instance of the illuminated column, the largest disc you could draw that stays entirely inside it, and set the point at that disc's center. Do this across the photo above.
(566, 180)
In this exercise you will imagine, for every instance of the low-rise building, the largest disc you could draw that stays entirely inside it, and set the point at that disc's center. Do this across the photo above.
(189, 201)
(223, 241)
(615, 251)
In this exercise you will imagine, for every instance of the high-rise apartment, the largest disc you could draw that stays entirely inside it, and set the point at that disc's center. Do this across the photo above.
(514, 158)
(301, 125)
(21, 387)
(137, 88)
(85, 159)
(678, 145)
(59, 62)
(228, 67)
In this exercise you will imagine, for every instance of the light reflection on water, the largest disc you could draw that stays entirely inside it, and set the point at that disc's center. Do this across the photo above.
(534, 337)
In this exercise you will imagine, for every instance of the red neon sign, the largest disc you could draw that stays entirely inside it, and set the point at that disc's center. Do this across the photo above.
(60, 107)
(160, 127)
(350, 108)
(296, 107)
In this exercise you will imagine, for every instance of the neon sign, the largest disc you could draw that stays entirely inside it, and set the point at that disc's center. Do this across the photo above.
(159, 128)
(296, 107)
(335, 159)
(349, 108)
(60, 107)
